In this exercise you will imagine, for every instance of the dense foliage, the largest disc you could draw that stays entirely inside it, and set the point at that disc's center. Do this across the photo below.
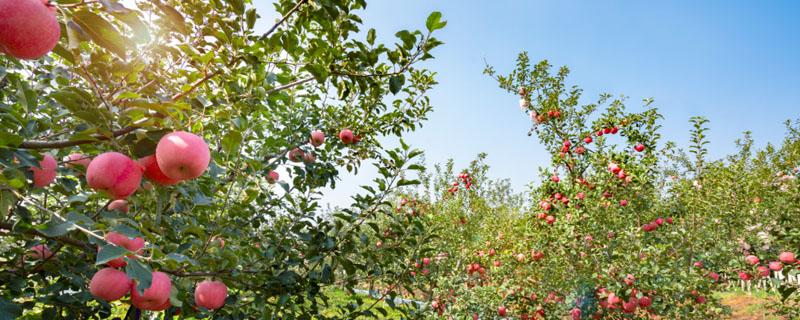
(618, 228)
(122, 77)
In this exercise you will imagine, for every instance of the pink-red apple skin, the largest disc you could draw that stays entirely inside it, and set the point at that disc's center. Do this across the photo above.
(115, 174)
(182, 155)
(45, 174)
(317, 138)
(134, 245)
(153, 172)
(119, 205)
(273, 177)
(40, 252)
(154, 297)
(29, 29)
(77, 161)
(210, 294)
(346, 136)
(109, 284)
(787, 257)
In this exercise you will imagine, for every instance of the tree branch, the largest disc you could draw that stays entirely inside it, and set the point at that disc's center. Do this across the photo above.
(283, 19)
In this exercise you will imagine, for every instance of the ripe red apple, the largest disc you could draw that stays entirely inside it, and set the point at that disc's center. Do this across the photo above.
(295, 155)
(639, 147)
(575, 313)
(309, 158)
(153, 172)
(134, 245)
(109, 284)
(752, 260)
(613, 167)
(555, 178)
(669, 220)
(700, 299)
(40, 252)
(580, 150)
(588, 139)
(317, 138)
(115, 174)
(775, 265)
(580, 195)
(346, 136)
(630, 305)
(77, 161)
(645, 302)
(426, 261)
(550, 219)
(121, 205)
(787, 257)
(623, 203)
(614, 130)
(763, 271)
(698, 264)
(744, 276)
(537, 255)
(520, 257)
(182, 155)
(660, 221)
(497, 263)
(501, 311)
(272, 176)
(210, 294)
(154, 297)
(28, 28)
(45, 174)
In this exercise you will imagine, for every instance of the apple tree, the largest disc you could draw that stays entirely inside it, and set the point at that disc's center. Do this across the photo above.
(168, 156)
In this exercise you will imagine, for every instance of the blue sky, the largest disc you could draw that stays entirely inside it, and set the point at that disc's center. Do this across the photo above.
(735, 62)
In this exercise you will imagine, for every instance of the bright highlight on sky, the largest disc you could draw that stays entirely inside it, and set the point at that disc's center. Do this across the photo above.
(734, 62)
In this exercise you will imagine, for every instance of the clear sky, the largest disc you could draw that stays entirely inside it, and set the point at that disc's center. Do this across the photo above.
(735, 62)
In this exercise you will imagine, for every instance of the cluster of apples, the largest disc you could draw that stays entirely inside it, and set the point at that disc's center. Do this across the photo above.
(422, 265)
(653, 225)
(786, 258)
(29, 29)
(317, 139)
(179, 156)
(110, 284)
(462, 178)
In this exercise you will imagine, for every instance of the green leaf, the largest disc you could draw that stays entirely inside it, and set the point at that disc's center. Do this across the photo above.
(139, 272)
(174, 19)
(101, 32)
(109, 252)
(396, 83)
(9, 310)
(55, 228)
(371, 36)
(434, 21)
(251, 18)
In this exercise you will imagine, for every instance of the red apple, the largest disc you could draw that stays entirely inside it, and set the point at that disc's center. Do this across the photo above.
(787, 257)
(752, 260)
(134, 245)
(45, 174)
(317, 138)
(645, 302)
(115, 174)
(763, 271)
(346, 135)
(40, 252)
(28, 28)
(120, 205)
(77, 161)
(154, 297)
(775, 265)
(639, 147)
(153, 172)
(210, 294)
(501, 311)
(182, 155)
(272, 176)
(109, 284)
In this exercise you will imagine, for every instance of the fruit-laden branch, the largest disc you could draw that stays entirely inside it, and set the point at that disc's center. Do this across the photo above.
(41, 144)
